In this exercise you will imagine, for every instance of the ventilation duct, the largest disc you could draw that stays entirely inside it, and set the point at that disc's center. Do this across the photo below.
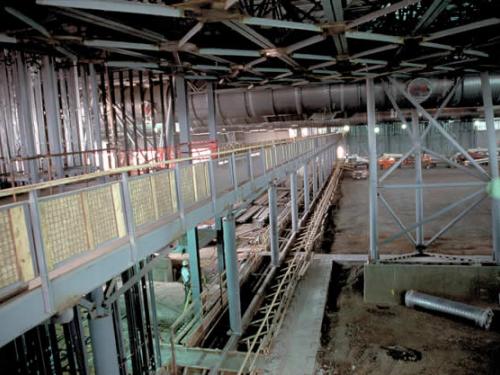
(239, 106)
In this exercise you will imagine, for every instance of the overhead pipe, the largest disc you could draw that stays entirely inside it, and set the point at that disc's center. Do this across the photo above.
(357, 119)
(482, 317)
(240, 106)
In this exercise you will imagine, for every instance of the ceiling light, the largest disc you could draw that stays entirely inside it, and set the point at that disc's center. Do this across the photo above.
(377, 130)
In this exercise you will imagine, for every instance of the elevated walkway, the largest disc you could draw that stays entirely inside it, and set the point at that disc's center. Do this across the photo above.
(79, 239)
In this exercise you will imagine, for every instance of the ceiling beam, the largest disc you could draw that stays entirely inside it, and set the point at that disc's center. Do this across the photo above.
(229, 52)
(431, 14)
(268, 22)
(363, 35)
(211, 67)
(305, 43)
(323, 64)
(463, 29)
(309, 56)
(119, 6)
(34, 25)
(4, 38)
(260, 40)
(374, 51)
(191, 33)
(334, 13)
(380, 13)
(132, 65)
(111, 25)
(369, 61)
(102, 43)
(41, 29)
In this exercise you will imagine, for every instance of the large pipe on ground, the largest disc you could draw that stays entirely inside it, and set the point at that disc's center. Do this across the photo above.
(240, 106)
(482, 317)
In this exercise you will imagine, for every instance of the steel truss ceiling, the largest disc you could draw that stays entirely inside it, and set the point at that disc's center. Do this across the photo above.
(258, 42)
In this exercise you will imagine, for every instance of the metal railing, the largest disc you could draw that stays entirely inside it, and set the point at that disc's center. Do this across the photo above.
(48, 228)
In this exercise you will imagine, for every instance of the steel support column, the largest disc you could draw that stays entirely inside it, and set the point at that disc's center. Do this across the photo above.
(182, 112)
(321, 170)
(51, 113)
(273, 225)
(419, 193)
(170, 119)
(232, 274)
(221, 265)
(306, 188)
(26, 120)
(96, 118)
(212, 125)
(372, 151)
(294, 202)
(102, 336)
(493, 161)
(315, 176)
(194, 267)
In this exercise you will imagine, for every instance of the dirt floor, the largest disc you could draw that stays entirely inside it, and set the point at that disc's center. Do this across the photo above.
(357, 338)
(470, 236)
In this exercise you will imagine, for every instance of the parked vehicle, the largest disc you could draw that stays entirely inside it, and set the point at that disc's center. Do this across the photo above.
(388, 160)
(360, 172)
(428, 162)
(475, 153)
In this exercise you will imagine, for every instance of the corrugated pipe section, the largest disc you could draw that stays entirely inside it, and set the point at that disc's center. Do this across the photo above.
(482, 317)
(239, 106)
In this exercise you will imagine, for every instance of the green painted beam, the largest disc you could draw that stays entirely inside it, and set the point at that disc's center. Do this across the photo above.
(229, 52)
(120, 6)
(269, 22)
(205, 359)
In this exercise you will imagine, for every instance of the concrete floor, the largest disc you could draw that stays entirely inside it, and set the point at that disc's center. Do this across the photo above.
(470, 236)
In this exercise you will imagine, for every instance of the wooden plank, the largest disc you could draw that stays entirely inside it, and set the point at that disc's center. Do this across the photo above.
(119, 213)
(22, 243)
(247, 215)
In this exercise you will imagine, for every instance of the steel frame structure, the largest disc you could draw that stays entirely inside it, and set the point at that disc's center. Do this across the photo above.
(32, 101)
(302, 31)
(377, 184)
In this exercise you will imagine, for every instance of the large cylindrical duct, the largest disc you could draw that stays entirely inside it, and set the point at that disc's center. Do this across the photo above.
(239, 106)
(482, 317)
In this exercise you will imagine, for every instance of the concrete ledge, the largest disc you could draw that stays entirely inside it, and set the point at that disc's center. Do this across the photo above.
(386, 283)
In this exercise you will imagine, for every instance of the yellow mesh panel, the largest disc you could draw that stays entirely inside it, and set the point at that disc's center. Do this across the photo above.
(165, 195)
(64, 229)
(201, 181)
(141, 199)
(9, 272)
(101, 214)
(186, 186)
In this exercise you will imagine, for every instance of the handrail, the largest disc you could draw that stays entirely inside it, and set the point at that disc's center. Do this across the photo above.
(152, 165)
